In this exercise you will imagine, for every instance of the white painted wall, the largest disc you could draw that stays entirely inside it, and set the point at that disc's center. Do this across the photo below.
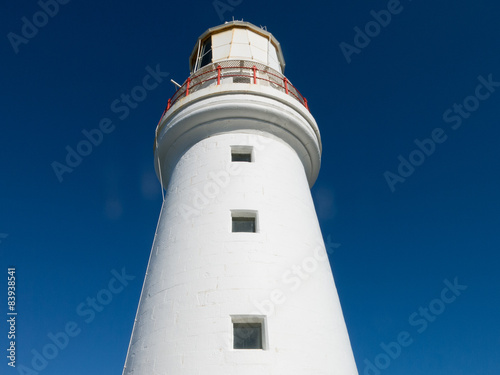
(200, 273)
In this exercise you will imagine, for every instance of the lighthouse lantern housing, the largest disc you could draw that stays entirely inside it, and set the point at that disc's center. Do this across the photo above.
(237, 40)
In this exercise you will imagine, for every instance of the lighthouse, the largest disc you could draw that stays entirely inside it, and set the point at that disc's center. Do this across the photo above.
(238, 280)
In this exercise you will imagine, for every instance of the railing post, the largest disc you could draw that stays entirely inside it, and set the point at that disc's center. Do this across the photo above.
(187, 86)
(305, 104)
(218, 74)
(286, 84)
(254, 75)
(168, 104)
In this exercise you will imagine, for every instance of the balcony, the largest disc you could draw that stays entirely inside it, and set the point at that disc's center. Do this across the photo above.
(235, 71)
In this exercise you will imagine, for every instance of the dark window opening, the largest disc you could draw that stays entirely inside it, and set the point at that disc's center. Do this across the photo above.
(247, 335)
(241, 153)
(206, 53)
(240, 156)
(241, 79)
(244, 224)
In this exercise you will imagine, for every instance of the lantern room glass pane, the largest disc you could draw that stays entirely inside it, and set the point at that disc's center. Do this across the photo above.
(206, 53)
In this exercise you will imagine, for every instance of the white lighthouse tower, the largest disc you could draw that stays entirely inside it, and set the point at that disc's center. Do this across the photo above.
(238, 281)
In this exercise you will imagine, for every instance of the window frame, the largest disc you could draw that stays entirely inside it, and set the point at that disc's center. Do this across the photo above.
(253, 320)
(244, 214)
(205, 57)
(242, 150)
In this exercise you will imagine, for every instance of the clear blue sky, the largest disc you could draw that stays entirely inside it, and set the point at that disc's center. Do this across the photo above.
(431, 59)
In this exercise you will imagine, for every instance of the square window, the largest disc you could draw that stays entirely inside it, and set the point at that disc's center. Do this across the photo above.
(249, 332)
(241, 154)
(247, 335)
(244, 224)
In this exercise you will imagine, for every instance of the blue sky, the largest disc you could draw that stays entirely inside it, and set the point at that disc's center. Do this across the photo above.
(431, 71)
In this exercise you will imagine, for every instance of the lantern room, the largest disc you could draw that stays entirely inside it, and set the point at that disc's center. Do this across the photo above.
(237, 40)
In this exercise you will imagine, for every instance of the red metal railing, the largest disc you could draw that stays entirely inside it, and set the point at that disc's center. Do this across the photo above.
(235, 71)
